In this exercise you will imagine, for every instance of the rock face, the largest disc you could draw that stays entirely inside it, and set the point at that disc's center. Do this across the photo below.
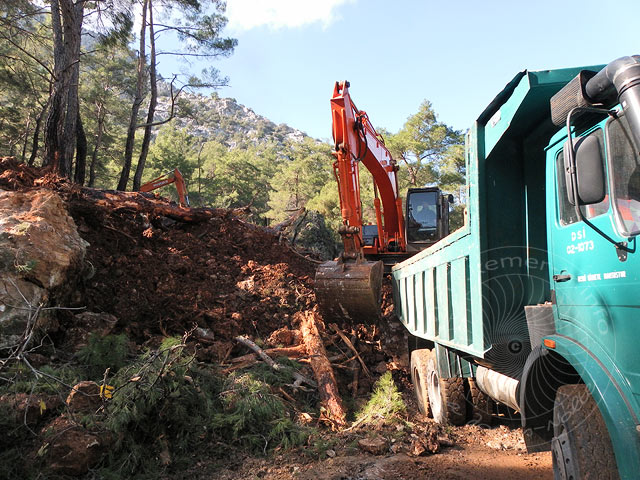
(226, 121)
(39, 248)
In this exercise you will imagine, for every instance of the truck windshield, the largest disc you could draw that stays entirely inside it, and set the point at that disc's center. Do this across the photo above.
(423, 217)
(624, 170)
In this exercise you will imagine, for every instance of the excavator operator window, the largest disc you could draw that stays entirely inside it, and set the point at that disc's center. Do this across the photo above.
(422, 217)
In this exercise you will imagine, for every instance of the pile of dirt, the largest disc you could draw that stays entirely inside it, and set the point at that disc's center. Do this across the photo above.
(162, 276)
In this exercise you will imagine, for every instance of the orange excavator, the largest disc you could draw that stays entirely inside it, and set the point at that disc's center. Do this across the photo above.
(349, 287)
(166, 179)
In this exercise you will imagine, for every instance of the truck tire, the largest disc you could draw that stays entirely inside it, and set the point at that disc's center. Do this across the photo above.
(446, 396)
(480, 405)
(419, 359)
(581, 447)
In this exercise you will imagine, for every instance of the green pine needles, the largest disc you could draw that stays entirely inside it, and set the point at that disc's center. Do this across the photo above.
(385, 405)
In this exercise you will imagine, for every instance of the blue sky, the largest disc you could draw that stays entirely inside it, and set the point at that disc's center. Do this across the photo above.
(456, 54)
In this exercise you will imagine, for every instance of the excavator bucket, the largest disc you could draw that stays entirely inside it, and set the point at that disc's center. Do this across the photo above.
(349, 290)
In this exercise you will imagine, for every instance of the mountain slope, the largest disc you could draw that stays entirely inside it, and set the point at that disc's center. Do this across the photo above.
(226, 121)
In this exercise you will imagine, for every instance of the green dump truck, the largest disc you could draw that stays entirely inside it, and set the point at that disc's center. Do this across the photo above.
(535, 303)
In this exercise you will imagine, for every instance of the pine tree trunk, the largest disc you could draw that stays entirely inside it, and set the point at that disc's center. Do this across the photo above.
(153, 101)
(330, 398)
(36, 135)
(60, 138)
(96, 148)
(26, 138)
(53, 149)
(137, 101)
(81, 152)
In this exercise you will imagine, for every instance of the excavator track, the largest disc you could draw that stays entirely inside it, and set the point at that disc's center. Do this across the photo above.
(349, 290)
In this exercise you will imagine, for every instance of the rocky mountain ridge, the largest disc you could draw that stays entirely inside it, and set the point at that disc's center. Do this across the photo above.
(226, 121)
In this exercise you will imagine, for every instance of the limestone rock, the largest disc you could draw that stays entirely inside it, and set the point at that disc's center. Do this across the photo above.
(39, 248)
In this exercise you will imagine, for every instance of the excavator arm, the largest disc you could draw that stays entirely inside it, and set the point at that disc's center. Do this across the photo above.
(349, 287)
(167, 179)
(357, 142)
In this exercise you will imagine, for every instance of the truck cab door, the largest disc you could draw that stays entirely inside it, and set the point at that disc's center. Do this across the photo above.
(594, 284)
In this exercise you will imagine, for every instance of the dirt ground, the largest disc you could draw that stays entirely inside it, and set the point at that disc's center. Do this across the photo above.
(477, 453)
(161, 276)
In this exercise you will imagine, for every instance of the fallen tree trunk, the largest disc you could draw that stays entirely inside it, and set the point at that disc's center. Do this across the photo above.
(327, 387)
(145, 203)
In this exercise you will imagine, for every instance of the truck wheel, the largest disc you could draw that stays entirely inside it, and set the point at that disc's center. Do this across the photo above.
(446, 396)
(581, 448)
(480, 405)
(419, 359)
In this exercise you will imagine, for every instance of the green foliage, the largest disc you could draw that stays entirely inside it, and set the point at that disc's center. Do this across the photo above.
(385, 404)
(318, 447)
(255, 418)
(21, 379)
(100, 353)
(161, 402)
(24, 76)
(164, 404)
(12, 441)
(300, 179)
(107, 85)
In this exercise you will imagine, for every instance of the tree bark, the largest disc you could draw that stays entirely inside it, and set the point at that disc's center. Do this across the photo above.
(327, 387)
(26, 138)
(146, 203)
(81, 152)
(60, 138)
(137, 101)
(36, 135)
(53, 149)
(153, 101)
(96, 148)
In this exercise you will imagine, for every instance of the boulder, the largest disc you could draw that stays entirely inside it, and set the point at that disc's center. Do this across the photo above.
(39, 249)
(71, 449)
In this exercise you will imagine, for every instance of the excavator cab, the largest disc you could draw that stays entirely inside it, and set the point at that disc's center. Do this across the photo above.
(427, 214)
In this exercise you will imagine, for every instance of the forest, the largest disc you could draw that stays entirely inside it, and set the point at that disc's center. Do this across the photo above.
(81, 91)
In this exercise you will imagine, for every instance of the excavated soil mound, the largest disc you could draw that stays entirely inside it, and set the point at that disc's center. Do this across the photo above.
(160, 276)
(161, 271)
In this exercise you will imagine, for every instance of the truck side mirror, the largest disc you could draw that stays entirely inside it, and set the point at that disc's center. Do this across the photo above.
(589, 166)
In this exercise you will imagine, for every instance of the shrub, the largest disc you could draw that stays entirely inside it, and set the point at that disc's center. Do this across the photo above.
(385, 404)
(110, 351)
